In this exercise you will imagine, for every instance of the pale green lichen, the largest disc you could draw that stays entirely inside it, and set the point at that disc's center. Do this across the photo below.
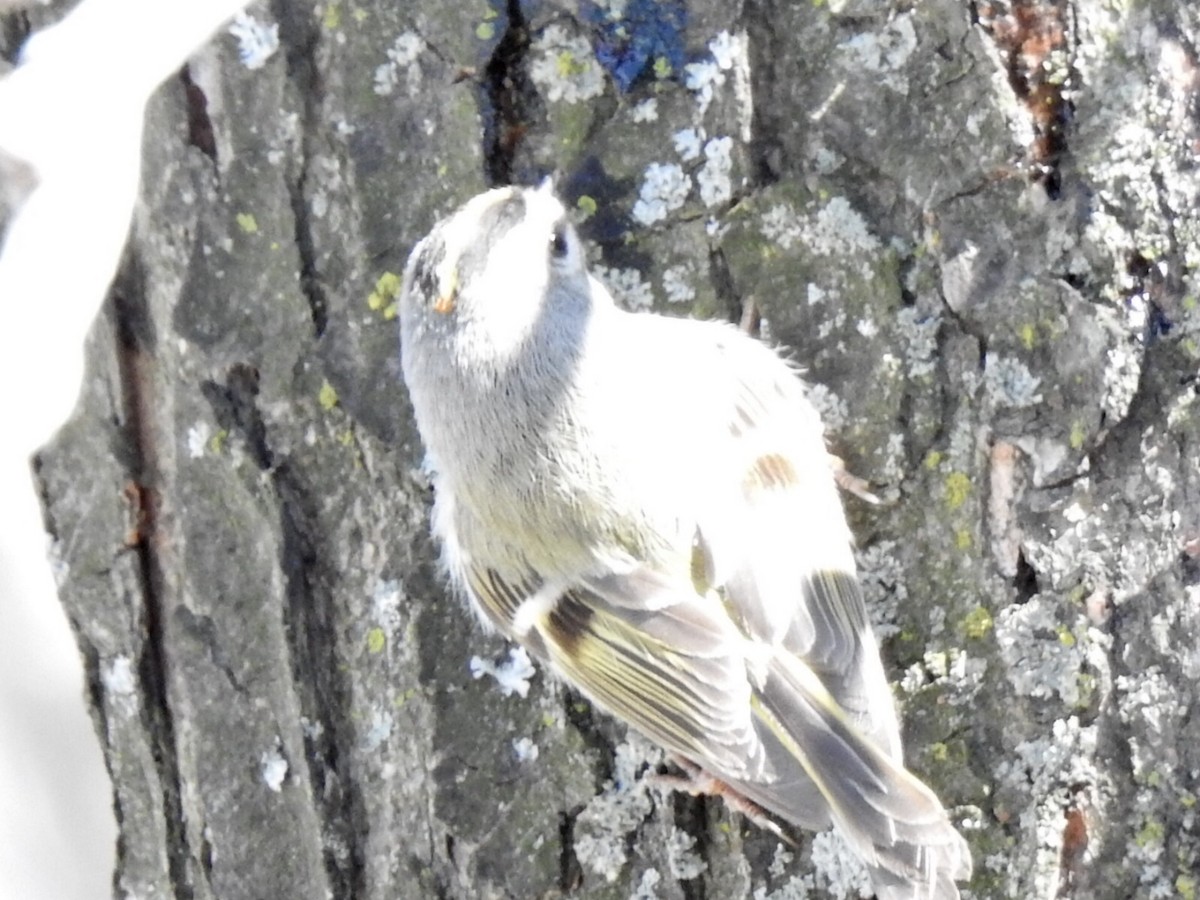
(327, 396)
(1078, 435)
(586, 205)
(376, 640)
(977, 623)
(958, 489)
(384, 295)
(1028, 335)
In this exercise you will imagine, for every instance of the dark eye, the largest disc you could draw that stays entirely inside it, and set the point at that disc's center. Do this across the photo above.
(559, 243)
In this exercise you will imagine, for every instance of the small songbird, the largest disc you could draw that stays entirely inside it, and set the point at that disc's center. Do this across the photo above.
(647, 505)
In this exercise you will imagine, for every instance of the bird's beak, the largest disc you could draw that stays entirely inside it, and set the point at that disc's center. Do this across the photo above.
(448, 293)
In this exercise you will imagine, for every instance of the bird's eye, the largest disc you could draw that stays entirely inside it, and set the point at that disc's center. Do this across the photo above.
(559, 244)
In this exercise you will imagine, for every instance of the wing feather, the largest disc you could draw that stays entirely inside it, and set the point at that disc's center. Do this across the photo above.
(658, 655)
(779, 547)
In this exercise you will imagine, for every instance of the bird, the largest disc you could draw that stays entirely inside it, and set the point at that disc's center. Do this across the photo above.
(647, 505)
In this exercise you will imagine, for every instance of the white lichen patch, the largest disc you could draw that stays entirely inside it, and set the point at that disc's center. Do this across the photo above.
(1053, 773)
(257, 42)
(380, 729)
(402, 57)
(714, 176)
(646, 111)
(883, 586)
(780, 860)
(117, 677)
(273, 767)
(525, 750)
(627, 286)
(833, 328)
(782, 225)
(725, 49)
(918, 333)
(703, 78)
(885, 53)
(826, 161)
(832, 409)
(602, 828)
(120, 685)
(564, 67)
(197, 439)
(665, 188)
(512, 676)
(956, 672)
(838, 869)
(1044, 656)
(688, 143)
(727, 52)
(386, 603)
(797, 887)
(677, 285)
(647, 886)
(1121, 376)
(1153, 705)
(839, 230)
(836, 229)
(1009, 383)
(683, 860)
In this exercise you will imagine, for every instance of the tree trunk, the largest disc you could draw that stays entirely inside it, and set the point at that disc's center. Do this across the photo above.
(974, 226)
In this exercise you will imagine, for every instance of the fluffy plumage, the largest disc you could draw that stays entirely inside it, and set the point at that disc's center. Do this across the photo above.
(647, 505)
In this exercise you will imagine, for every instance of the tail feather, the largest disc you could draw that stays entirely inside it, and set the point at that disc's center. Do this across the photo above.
(891, 819)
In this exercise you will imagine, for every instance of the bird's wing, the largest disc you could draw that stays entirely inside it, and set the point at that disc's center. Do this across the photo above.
(776, 544)
(649, 650)
(779, 553)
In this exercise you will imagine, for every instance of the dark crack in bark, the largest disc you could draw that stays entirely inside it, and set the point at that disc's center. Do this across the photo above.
(507, 96)
(570, 872)
(200, 126)
(137, 365)
(300, 36)
(310, 625)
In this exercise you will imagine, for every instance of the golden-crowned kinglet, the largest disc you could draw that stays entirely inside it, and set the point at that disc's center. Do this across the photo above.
(647, 505)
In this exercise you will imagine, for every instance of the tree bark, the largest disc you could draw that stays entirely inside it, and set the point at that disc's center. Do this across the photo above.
(973, 225)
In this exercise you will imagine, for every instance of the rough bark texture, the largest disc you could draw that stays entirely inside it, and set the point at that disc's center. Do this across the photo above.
(974, 224)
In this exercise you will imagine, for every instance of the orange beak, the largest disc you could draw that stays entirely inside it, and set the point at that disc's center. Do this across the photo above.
(447, 291)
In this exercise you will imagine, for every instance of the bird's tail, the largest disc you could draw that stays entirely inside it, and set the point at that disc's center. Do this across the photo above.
(827, 770)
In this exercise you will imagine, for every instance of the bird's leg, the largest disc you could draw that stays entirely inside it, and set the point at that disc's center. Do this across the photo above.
(850, 482)
(697, 782)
